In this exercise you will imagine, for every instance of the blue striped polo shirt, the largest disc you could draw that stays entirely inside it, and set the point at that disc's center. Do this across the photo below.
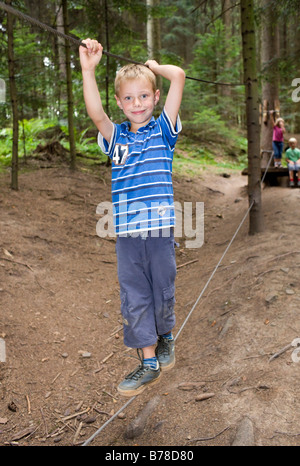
(142, 190)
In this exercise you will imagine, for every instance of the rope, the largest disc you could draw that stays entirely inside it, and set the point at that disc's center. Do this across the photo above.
(75, 40)
(268, 164)
(89, 440)
(217, 83)
(214, 271)
(95, 434)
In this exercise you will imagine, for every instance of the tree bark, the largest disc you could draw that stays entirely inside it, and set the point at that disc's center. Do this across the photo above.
(226, 18)
(153, 31)
(107, 58)
(69, 90)
(154, 39)
(62, 95)
(14, 100)
(270, 77)
(252, 116)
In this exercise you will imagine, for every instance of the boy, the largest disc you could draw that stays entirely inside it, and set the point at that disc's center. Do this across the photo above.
(141, 150)
(293, 160)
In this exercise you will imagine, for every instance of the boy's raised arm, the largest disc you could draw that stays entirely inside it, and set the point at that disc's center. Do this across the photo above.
(176, 76)
(89, 59)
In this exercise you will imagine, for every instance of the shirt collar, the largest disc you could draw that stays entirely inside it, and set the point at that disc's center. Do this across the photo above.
(126, 126)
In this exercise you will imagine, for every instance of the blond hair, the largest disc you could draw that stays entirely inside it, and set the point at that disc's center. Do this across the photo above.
(278, 121)
(134, 71)
(293, 140)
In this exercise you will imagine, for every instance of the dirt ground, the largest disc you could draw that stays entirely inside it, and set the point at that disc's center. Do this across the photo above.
(61, 324)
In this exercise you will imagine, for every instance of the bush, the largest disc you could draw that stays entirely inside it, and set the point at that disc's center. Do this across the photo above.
(207, 125)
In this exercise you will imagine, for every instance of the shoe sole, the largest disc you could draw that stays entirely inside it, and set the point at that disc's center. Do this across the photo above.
(139, 390)
(168, 367)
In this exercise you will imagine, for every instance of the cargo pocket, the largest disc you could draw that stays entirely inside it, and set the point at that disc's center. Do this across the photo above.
(168, 300)
(123, 297)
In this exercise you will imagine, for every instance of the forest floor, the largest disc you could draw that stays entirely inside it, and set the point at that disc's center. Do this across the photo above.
(61, 324)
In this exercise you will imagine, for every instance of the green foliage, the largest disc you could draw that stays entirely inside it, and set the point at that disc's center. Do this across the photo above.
(208, 125)
(30, 130)
(34, 132)
(209, 111)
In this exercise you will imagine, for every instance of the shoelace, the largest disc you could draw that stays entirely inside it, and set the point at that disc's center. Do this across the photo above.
(163, 347)
(140, 370)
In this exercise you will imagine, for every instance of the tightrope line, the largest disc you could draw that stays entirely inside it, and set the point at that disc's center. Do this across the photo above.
(89, 440)
(78, 42)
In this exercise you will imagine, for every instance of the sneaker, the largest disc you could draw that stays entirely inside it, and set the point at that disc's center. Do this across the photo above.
(298, 183)
(136, 382)
(292, 183)
(165, 353)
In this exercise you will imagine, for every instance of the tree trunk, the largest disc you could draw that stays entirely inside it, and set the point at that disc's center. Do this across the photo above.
(62, 95)
(107, 58)
(153, 38)
(153, 31)
(108, 160)
(69, 90)
(252, 116)
(270, 77)
(14, 100)
(226, 18)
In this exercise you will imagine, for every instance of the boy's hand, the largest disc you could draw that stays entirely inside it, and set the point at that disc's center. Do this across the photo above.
(89, 59)
(176, 76)
(153, 65)
(91, 55)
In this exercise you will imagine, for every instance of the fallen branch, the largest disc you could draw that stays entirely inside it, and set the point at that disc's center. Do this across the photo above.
(67, 418)
(17, 262)
(24, 433)
(289, 434)
(280, 352)
(107, 357)
(187, 263)
(204, 396)
(77, 433)
(283, 255)
(28, 404)
(202, 439)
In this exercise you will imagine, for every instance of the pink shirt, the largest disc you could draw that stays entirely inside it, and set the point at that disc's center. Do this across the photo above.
(277, 134)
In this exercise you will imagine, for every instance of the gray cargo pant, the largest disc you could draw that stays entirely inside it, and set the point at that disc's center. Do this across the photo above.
(146, 272)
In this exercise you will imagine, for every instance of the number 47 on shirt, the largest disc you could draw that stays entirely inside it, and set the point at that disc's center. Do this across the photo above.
(120, 154)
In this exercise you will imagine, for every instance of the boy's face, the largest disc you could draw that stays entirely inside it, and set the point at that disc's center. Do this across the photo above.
(137, 100)
(292, 144)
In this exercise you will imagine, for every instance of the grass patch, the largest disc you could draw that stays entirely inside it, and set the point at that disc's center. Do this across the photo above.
(193, 159)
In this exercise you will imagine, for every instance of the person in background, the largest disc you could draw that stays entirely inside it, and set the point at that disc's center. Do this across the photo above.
(277, 143)
(293, 160)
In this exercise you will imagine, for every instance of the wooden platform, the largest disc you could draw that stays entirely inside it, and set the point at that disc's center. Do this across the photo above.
(272, 171)
(274, 176)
